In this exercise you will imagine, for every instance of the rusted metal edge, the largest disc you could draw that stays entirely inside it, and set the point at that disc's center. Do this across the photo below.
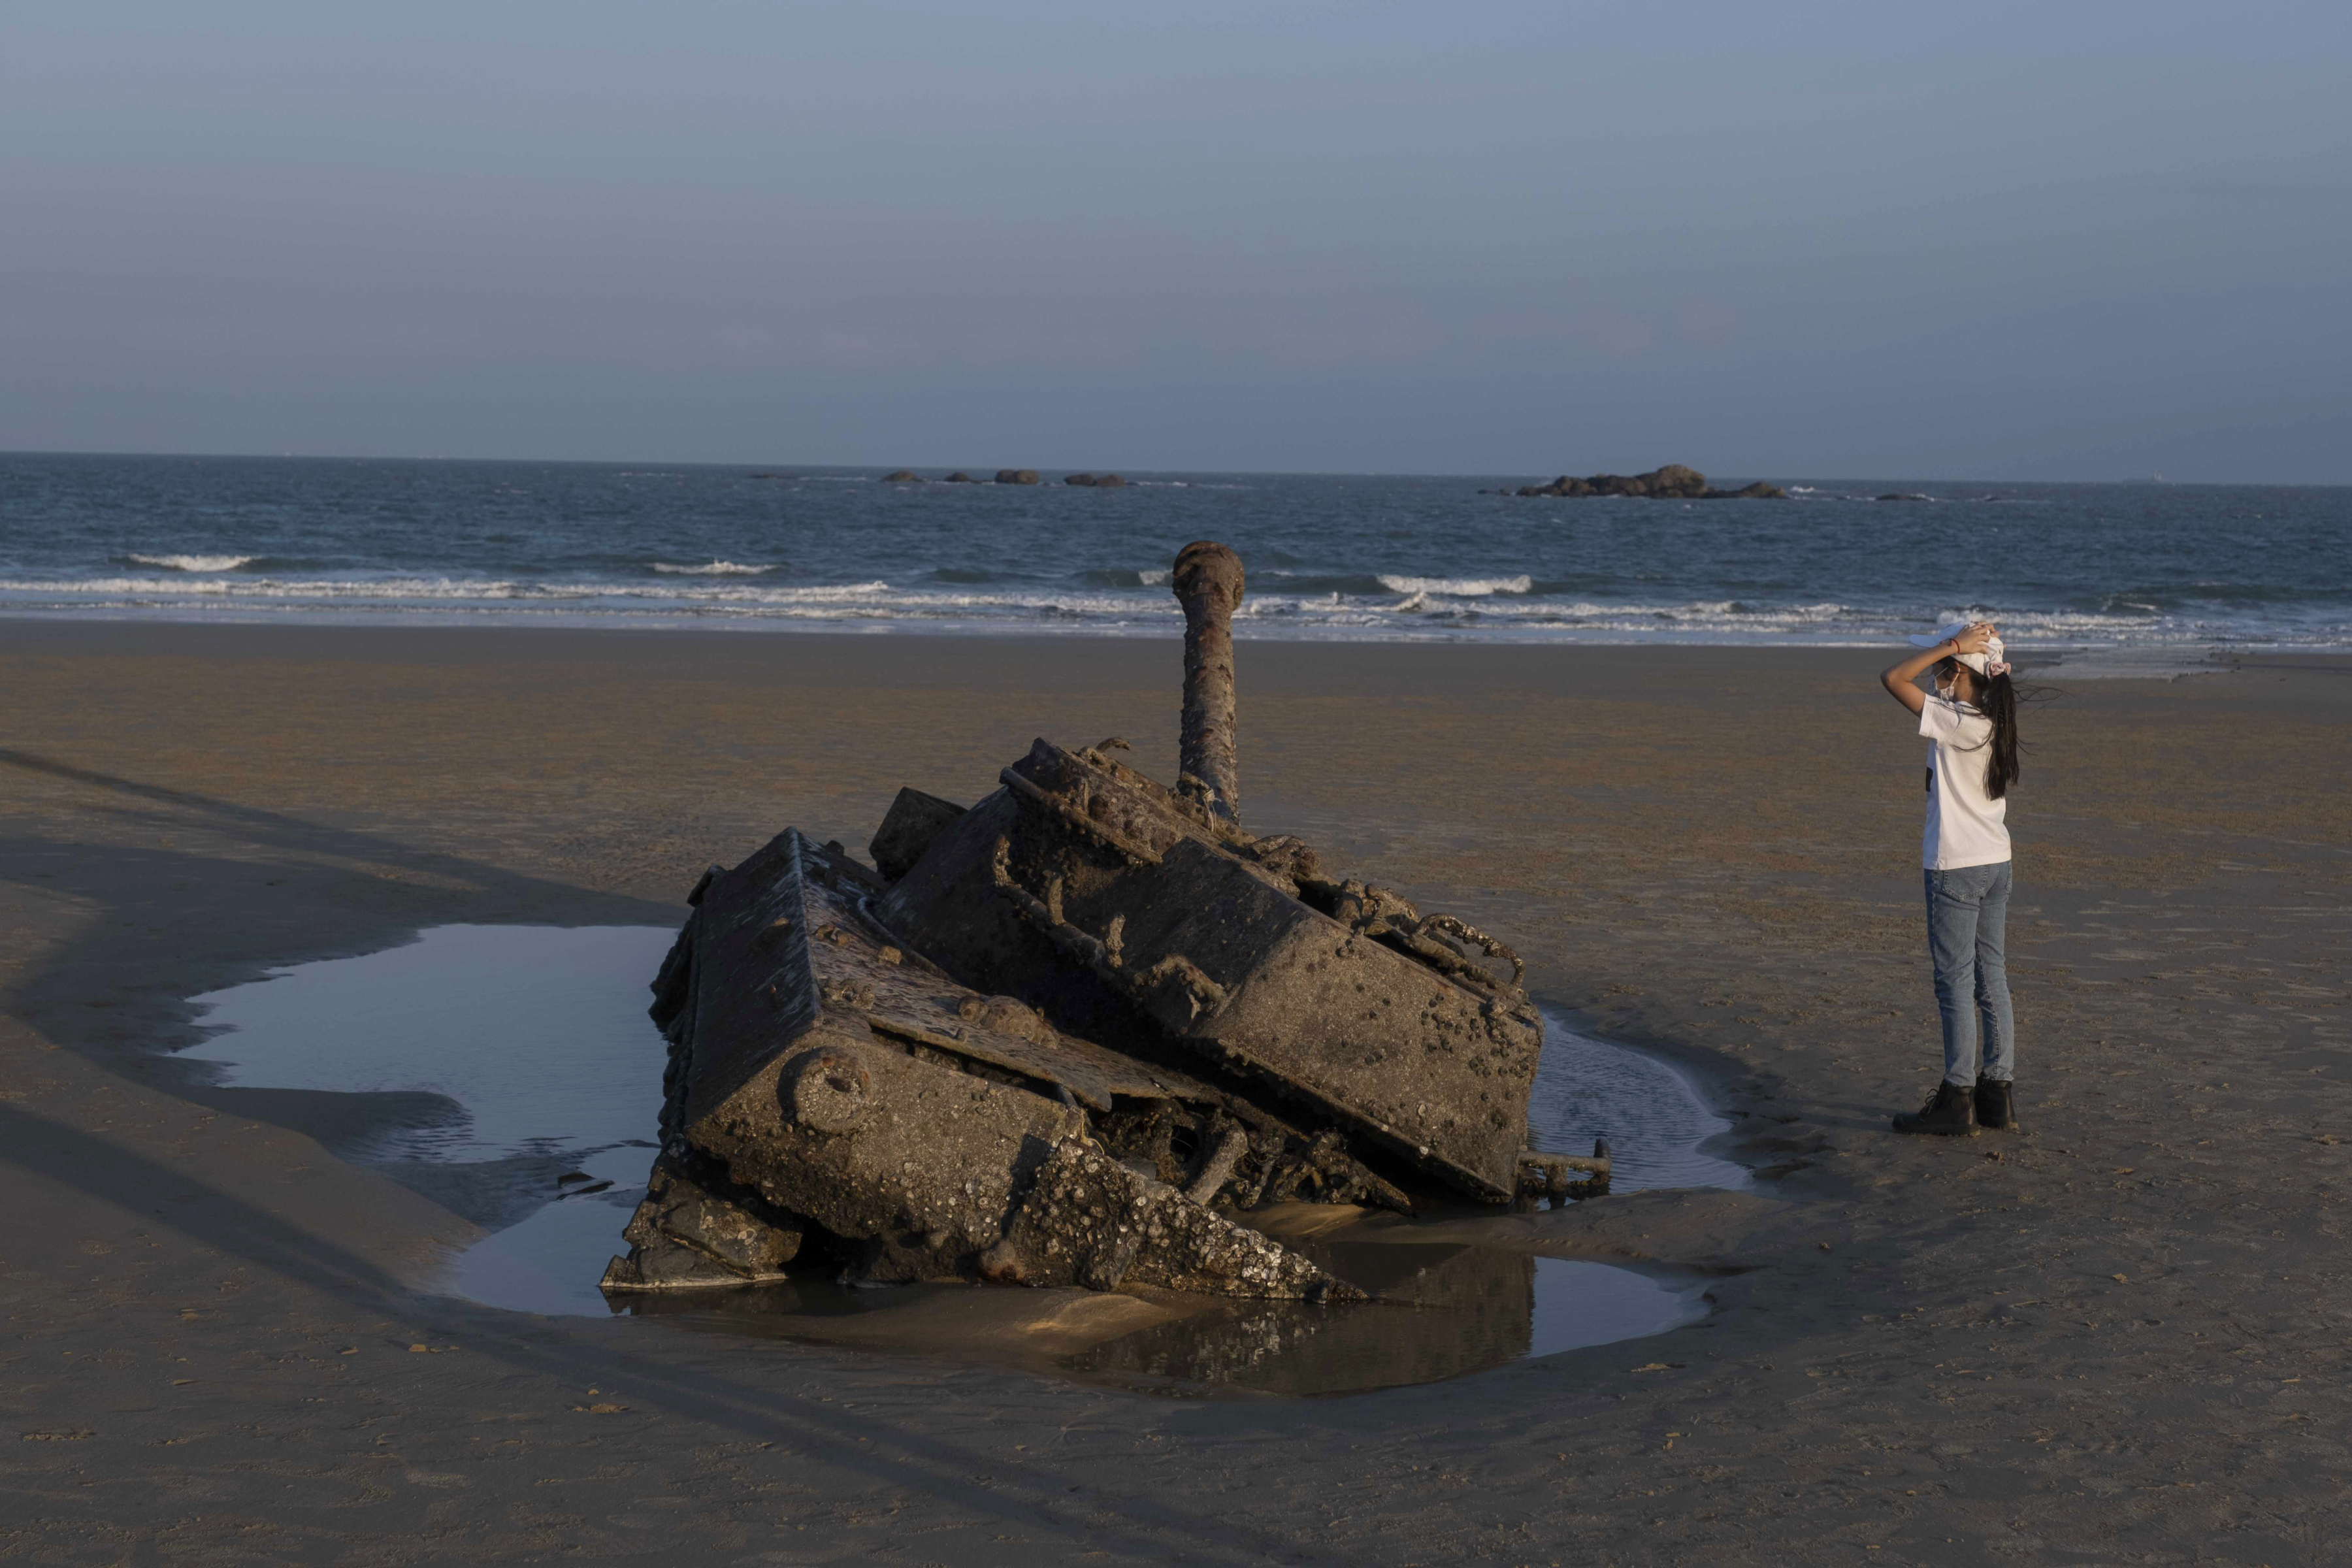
(708, 1088)
(1546, 1175)
(916, 1035)
(1097, 956)
(1455, 925)
(1421, 1154)
(1599, 1166)
(1079, 820)
(1452, 968)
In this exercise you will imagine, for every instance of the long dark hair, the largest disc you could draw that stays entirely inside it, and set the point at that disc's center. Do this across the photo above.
(1996, 699)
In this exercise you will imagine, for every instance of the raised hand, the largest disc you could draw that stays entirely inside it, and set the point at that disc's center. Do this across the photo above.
(1977, 638)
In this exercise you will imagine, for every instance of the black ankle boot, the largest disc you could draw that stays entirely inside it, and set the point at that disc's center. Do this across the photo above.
(1996, 1105)
(1950, 1112)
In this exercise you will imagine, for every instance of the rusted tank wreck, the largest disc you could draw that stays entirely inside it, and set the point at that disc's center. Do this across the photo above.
(1073, 1035)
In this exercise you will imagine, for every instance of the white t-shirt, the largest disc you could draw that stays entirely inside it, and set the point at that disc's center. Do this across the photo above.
(1966, 827)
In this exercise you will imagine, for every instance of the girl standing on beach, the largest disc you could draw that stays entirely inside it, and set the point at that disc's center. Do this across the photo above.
(1970, 722)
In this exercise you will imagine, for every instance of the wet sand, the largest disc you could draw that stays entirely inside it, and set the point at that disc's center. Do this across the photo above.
(2121, 1339)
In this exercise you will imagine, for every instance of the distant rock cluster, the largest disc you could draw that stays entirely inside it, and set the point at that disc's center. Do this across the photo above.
(1004, 477)
(1672, 482)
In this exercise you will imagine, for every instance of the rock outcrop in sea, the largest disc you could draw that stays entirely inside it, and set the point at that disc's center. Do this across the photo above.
(1674, 482)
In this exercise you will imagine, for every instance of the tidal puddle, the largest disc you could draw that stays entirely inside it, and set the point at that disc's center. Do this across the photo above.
(517, 1081)
(503, 1059)
(1656, 1120)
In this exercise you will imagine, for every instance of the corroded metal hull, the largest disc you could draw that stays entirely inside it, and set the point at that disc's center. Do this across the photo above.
(828, 1086)
(1092, 892)
(1073, 1035)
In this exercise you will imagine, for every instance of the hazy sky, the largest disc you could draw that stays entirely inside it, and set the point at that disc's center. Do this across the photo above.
(2028, 241)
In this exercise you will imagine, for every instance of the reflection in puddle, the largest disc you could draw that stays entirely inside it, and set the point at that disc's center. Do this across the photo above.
(521, 1055)
(538, 1032)
(1444, 1311)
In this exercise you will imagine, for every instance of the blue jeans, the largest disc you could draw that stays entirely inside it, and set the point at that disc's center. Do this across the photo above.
(1968, 920)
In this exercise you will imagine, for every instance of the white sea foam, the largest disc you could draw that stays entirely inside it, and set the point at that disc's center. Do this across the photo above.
(716, 569)
(1456, 587)
(829, 595)
(193, 562)
(1509, 609)
(430, 590)
(1156, 577)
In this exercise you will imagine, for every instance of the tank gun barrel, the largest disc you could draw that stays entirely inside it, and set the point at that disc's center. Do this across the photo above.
(1208, 583)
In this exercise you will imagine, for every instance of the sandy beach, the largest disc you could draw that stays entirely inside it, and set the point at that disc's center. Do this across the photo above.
(2119, 1336)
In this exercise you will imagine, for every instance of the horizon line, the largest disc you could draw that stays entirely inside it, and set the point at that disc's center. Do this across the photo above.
(772, 466)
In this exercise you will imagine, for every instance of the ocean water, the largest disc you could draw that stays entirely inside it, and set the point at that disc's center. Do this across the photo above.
(1328, 556)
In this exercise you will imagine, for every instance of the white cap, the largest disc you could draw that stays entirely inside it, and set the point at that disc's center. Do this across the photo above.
(1976, 661)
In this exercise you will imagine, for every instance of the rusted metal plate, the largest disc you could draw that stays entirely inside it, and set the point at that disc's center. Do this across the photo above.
(752, 991)
(1099, 896)
(1258, 981)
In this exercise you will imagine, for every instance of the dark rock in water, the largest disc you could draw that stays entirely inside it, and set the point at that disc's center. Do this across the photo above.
(1675, 480)
(958, 477)
(1016, 476)
(1900, 495)
(1110, 482)
(913, 820)
(1078, 479)
(1672, 482)
(902, 477)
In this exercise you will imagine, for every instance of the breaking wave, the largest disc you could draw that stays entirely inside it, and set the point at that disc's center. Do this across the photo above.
(1103, 603)
(193, 562)
(1456, 587)
(716, 569)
